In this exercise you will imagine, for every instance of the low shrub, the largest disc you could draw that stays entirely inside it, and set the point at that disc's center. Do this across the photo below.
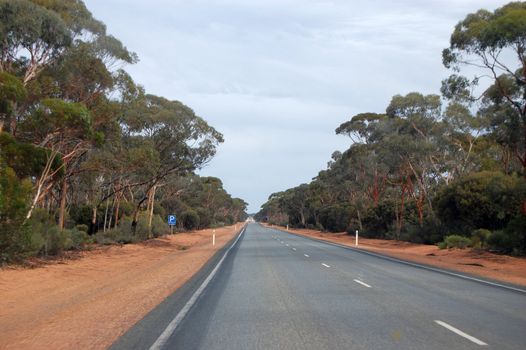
(82, 227)
(457, 241)
(442, 245)
(500, 241)
(190, 219)
(479, 238)
(115, 235)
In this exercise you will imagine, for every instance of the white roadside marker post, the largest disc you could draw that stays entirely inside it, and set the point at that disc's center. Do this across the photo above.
(287, 227)
(356, 240)
(214, 238)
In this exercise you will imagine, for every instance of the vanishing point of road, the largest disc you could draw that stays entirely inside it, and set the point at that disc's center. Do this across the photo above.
(274, 290)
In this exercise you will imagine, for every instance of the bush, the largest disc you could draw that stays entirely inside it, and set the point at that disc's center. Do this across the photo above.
(159, 226)
(82, 214)
(517, 229)
(116, 235)
(377, 220)
(485, 199)
(190, 219)
(56, 241)
(15, 194)
(205, 217)
(79, 238)
(82, 227)
(500, 241)
(335, 218)
(456, 241)
(479, 238)
(441, 245)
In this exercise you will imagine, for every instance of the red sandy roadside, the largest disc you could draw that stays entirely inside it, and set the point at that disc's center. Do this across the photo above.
(89, 302)
(475, 262)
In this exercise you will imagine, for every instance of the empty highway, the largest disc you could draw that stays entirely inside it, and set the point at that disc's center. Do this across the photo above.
(275, 290)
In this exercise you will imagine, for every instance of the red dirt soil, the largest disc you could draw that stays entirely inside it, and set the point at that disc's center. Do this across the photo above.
(89, 302)
(472, 261)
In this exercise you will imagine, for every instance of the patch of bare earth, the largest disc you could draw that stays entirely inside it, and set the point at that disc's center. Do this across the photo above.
(472, 261)
(89, 301)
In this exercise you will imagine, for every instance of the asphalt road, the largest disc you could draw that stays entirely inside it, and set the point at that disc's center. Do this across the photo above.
(274, 290)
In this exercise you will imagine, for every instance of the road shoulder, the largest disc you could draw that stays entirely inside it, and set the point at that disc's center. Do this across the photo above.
(90, 302)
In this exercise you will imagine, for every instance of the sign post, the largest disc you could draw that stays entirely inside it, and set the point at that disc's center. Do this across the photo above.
(172, 220)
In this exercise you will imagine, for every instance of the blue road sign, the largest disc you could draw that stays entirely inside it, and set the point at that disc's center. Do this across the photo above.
(172, 219)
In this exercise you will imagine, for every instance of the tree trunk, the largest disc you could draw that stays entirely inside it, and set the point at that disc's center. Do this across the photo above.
(117, 206)
(105, 216)
(152, 199)
(93, 224)
(359, 219)
(302, 217)
(63, 197)
(111, 212)
(135, 219)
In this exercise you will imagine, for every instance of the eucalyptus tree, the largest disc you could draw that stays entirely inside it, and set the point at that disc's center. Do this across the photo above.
(180, 141)
(495, 43)
(31, 37)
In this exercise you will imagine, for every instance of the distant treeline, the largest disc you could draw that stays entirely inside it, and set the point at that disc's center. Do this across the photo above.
(85, 154)
(432, 168)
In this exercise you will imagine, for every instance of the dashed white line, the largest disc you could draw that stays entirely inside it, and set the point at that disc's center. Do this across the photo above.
(306, 255)
(325, 265)
(287, 245)
(459, 332)
(362, 283)
(294, 249)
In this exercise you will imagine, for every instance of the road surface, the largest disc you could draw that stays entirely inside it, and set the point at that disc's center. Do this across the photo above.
(275, 290)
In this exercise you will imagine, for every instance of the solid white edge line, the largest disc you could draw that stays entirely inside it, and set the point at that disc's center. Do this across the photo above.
(306, 255)
(385, 257)
(362, 283)
(459, 332)
(325, 265)
(169, 330)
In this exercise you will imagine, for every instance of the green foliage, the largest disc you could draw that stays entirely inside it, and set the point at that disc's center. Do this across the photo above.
(12, 91)
(479, 238)
(501, 242)
(14, 199)
(456, 241)
(442, 245)
(82, 227)
(116, 235)
(335, 218)
(481, 200)
(190, 219)
(25, 25)
(24, 158)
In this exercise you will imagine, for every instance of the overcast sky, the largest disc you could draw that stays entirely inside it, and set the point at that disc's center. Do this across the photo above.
(276, 77)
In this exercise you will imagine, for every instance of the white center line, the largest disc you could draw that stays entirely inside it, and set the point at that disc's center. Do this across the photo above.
(362, 283)
(294, 249)
(325, 265)
(306, 255)
(459, 332)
